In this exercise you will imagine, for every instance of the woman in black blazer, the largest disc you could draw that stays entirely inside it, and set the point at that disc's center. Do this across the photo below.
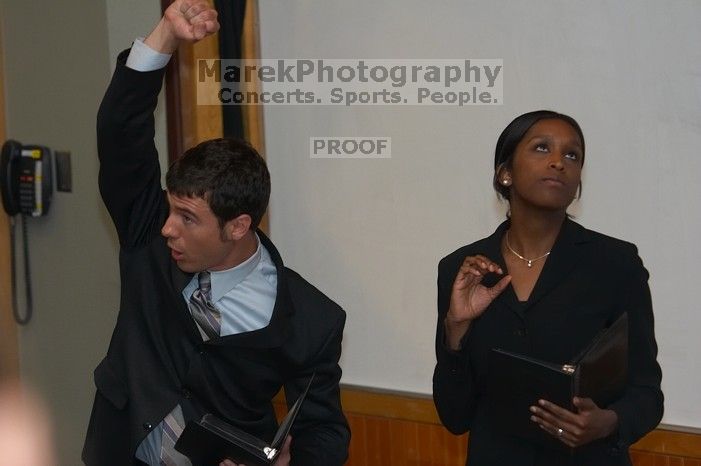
(544, 286)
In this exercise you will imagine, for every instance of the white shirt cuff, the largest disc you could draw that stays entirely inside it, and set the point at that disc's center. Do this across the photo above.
(144, 58)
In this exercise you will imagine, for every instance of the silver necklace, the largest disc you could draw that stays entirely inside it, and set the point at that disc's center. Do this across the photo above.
(529, 262)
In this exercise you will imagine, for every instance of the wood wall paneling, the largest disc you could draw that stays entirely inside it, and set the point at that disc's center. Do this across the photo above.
(399, 429)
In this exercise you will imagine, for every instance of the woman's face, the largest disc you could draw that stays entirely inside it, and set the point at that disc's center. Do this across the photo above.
(546, 167)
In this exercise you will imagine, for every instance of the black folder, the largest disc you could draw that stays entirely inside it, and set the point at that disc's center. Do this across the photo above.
(210, 440)
(516, 382)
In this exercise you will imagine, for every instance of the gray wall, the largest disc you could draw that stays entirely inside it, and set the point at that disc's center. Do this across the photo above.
(58, 60)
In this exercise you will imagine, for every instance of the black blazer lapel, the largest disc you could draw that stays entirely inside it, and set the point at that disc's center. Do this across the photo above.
(179, 280)
(275, 333)
(492, 250)
(564, 256)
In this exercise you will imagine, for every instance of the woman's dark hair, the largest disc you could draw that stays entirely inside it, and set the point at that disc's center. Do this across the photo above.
(228, 173)
(512, 135)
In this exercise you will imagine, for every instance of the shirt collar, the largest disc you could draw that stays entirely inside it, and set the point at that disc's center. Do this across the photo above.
(224, 281)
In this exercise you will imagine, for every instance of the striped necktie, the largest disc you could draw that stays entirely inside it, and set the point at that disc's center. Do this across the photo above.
(208, 318)
(172, 428)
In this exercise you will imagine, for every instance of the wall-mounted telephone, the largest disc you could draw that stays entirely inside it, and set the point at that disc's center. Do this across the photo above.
(26, 186)
(27, 181)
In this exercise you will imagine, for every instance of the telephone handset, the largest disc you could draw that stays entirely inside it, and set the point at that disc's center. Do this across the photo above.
(26, 186)
(27, 181)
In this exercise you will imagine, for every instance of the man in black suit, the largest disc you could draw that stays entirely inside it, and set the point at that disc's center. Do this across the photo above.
(210, 321)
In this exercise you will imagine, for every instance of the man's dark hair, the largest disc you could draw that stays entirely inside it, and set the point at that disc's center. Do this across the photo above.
(228, 173)
(512, 135)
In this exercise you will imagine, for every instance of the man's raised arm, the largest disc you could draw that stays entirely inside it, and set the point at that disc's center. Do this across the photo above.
(129, 171)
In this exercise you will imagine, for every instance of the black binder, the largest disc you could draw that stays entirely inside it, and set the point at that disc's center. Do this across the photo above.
(210, 440)
(516, 382)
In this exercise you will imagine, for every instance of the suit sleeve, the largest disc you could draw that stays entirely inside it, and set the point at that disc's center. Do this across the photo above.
(129, 178)
(453, 386)
(320, 435)
(640, 409)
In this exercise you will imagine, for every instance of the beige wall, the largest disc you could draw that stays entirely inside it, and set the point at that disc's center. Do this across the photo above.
(58, 59)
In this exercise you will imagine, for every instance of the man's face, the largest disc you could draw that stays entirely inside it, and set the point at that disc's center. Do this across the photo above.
(194, 236)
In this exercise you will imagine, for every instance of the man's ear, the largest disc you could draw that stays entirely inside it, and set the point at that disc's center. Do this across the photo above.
(236, 228)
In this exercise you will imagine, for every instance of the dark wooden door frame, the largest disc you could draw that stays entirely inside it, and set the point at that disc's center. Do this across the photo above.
(174, 121)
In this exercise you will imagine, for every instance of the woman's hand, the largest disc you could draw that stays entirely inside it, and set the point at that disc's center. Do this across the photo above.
(469, 298)
(589, 423)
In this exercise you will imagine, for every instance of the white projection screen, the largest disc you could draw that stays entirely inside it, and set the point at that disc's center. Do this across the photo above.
(370, 231)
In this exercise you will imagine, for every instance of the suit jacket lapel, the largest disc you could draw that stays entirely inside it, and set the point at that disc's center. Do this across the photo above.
(270, 336)
(564, 256)
(275, 332)
(180, 279)
(492, 250)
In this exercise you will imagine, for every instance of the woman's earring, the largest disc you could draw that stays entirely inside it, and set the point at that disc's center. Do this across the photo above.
(506, 182)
